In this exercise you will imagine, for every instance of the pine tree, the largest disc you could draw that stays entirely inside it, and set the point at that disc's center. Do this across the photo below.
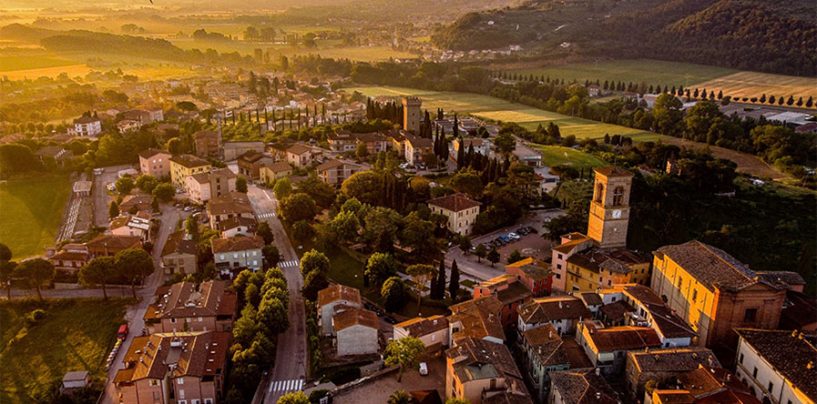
(454, 283)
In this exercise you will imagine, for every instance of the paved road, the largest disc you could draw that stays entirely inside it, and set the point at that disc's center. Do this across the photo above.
(289, 371)
(136, 313)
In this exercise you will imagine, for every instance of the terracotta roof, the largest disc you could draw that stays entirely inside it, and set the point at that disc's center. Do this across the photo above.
(477, 359)
(516, 394)
(614, 312)
(233, 222)
(711, 266)
(533, 268)
(419, 142)
(86, 119)
(205, 134)
(583, 386)
(420, 326)
(552, 308)
(193, 354)
(370, 137)
(233, 202)
(189, 160)
(114, 242)
(338, 292)
(616, 261)
(549, 349)
(480, 318)
(148, 153)
(140, 201)
(298, 149)
(613, 171)
(355, 316)
(279, 167)
(238, 243)
(626, 338)
(790, 353)
(515, 292)
(673, 359)
(574, 240)
(782, 278)
(454, 202)
(591, 299)
(176, 243)
(186, 299)
(799, 312)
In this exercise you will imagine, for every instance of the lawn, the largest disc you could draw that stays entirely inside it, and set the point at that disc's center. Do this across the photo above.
(31, 212)
(75, 335)
(634, 70)
(499, 110)
(560, 155)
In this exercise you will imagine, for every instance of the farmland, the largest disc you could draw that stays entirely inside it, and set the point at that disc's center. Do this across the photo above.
(633, 70)
(560, 155)
(31, 213)
(752, 84)
(499, 110)
(74, 335)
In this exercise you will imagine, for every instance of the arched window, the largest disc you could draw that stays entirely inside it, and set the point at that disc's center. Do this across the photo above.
(599, 192)
(618, 196)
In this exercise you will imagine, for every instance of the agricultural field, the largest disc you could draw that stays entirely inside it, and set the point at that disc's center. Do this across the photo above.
(499, 110)
(560, 155)
(74, 335)
(31, 213)
(20, 62)
(752, 84)
(633, 70)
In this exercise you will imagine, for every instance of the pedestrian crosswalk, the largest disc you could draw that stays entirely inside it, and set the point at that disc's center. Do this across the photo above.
(284, 386)
(266, 215)
(288, 264)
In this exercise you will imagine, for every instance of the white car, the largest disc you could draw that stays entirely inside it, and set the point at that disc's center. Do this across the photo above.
(423, 369)
(514, 236)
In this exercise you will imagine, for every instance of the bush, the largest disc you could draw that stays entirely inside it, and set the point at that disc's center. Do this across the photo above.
(35, 316)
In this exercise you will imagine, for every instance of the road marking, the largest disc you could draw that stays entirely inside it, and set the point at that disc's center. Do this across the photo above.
(267, 195)
(285, 386)
(288, 264)
(266, 215)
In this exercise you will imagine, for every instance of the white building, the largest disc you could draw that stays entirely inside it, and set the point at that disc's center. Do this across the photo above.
(238, 252)
(433, 331)
(332, 300)
(460, 210)
(778, 365)
(87, 126)
(356, 332)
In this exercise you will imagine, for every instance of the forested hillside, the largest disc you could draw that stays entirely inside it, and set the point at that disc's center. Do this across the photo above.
(778, 37)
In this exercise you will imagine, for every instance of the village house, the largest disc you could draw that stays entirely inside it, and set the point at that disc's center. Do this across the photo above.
(334, 172)
(107, 245)
(647, 309)
(356, 332)
(155, 162)
(416, 147)
(251, 162)
(433, 331)
(138, 225)
(207, 144)
(187, 306)
(580, 386)
(341, 141)
(534, 274)
(332, 300)
(714, 292)
(202, 187)
(269, 173)
(180, 254)
(509, 291)
(127, 125)
(185, 165)
(299, 155)
(562, 312)
(480, 146)
(544, 352)
(570, 244)
(234, 150)
(477, 369)
(778, 366)
(136, 203)
(661, 365)
(87, 126)
(374, 142)
(171, 368)
(607, 347)
(70, 258)
(228, 206)
(237, 226)
(602, 268)
(476, 318)
(235, 253)
(460, 210)
(702, 385)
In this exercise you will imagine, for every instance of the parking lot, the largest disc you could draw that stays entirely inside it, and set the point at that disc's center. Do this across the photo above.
(379, 390)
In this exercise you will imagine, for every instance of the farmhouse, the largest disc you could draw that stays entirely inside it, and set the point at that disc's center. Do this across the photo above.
(460, 210)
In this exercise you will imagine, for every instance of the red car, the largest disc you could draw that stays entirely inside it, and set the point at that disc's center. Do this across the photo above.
(123, 332)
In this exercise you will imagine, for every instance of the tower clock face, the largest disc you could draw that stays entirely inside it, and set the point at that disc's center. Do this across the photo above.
(617, 214)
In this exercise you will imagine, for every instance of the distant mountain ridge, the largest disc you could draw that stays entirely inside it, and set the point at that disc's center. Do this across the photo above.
(777, 37)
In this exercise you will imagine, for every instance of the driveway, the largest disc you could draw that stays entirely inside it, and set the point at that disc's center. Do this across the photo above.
(289, 372)
(100, 193)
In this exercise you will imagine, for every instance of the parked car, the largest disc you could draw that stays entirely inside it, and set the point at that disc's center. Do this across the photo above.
(513, 236)
(122, 333)
(423, 369)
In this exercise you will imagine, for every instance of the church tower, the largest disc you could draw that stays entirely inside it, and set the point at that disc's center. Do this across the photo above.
(411, 114)
(610, 207)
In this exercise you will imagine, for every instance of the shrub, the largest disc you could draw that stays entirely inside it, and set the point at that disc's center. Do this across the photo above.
(35, 316)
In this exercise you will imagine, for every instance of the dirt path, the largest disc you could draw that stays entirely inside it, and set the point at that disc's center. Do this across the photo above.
(747, 163)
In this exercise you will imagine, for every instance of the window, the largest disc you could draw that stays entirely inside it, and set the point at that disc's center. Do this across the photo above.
(194, 401)
(154, 382)
(771, 387)
(750, 315)
(618, 196)
(754, 373)
(208, 401)
(180, 380)
(559, 255)
(741, 358)
(558, 266)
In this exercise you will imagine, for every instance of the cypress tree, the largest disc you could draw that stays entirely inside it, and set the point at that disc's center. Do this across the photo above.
(454, 285)
(440, 284)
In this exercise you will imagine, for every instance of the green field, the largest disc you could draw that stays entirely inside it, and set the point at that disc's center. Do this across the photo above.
(75, 335)
(560, 155)
(31, 213)
(14, 63)
(651, 72)
(499, 110)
